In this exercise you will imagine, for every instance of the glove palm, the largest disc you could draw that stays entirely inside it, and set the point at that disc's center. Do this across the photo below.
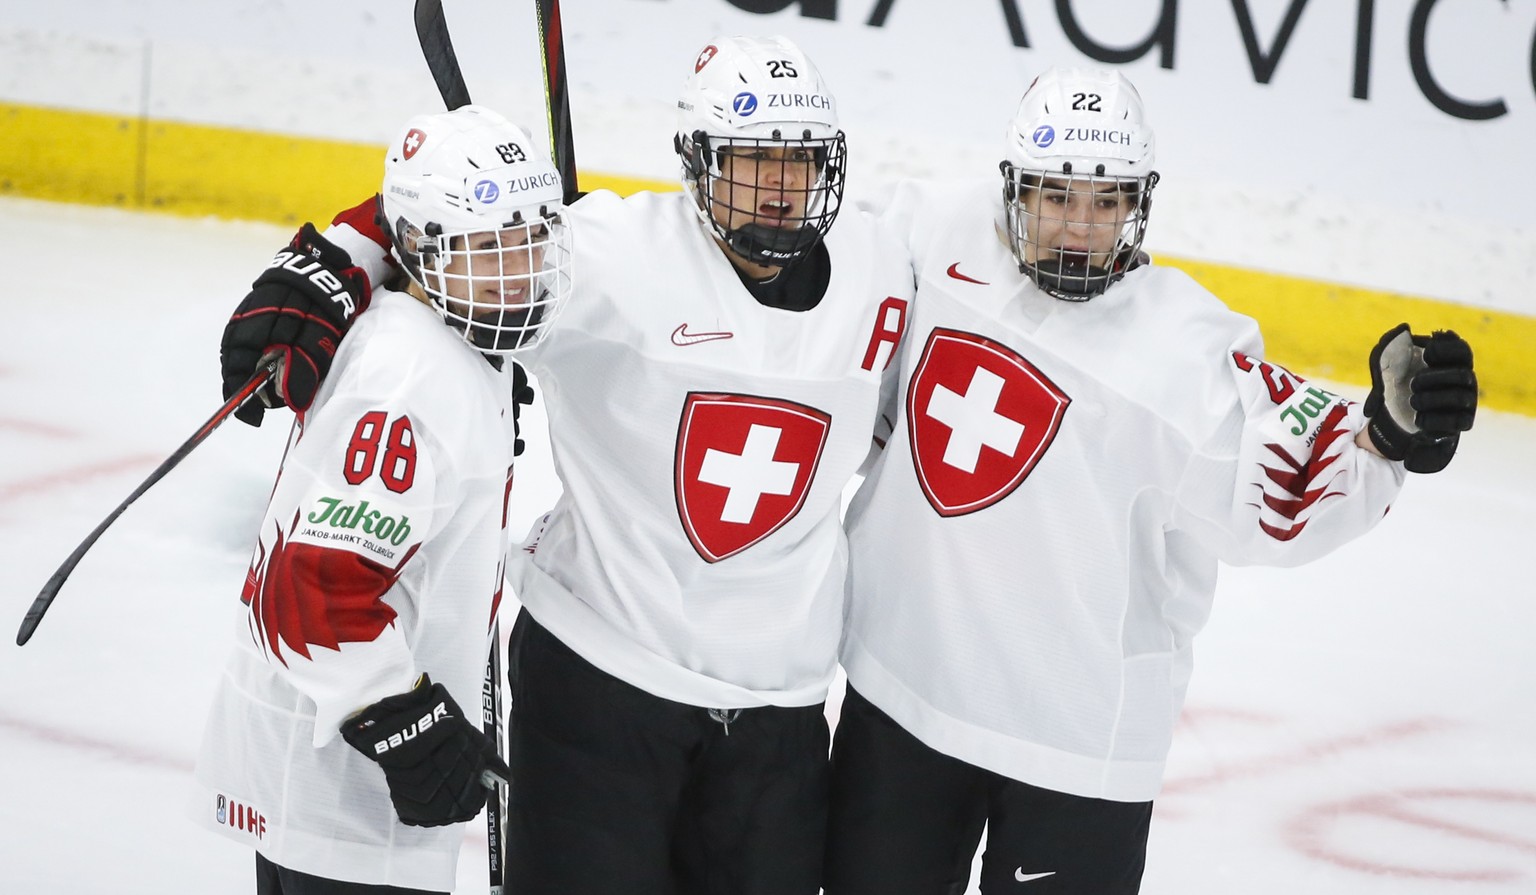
(1423, 396)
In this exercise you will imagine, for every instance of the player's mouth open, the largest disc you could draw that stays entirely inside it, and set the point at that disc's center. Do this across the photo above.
(776, 211)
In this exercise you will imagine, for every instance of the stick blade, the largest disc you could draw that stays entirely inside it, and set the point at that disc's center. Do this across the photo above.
(437, 49)
(44, 599)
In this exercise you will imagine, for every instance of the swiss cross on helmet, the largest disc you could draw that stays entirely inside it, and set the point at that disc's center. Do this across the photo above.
(473, 210)
(762, 154)
(1077, 181)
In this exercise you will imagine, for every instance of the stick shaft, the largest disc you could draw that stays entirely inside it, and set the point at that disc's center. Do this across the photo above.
(557, 97)
(496, 800)
(437, 49)
(50, 590)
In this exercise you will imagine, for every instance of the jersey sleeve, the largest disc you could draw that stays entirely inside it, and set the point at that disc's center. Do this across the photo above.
(899, 210)
(355, 500)
(357, 231)
(891, 323)
(1281, 481)
(885, 421)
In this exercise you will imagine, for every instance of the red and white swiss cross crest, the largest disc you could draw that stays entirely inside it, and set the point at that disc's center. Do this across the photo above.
(413, 140)
(979, 417)
(744, 465)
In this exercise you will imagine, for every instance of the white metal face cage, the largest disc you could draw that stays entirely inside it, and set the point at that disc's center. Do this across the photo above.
(1075, 234)
(500, 289)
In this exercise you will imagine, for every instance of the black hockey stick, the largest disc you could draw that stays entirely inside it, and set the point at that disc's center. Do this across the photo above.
(496, 799)
(50, 590)
(557, 97)
(437, 47)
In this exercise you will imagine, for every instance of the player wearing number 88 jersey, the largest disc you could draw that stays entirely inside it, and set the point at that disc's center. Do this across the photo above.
(379, 562)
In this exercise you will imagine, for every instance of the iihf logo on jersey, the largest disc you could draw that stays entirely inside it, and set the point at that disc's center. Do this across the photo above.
(229, 813)
(743, 468)
(1044, 135)
(487, 191)
(979, 418)
(744, 104)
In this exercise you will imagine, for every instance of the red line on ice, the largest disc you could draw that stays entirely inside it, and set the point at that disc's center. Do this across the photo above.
(70, 477)
(28, 427)
(1310, 831)
(1307, 754)
(114, 751)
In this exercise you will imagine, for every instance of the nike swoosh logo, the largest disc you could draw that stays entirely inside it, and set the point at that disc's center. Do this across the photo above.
(1023, 877)
(954, 271)
(681, 336)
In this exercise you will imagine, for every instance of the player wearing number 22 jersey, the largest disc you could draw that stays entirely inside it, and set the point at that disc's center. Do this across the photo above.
(1079, 437)
(1069, 473)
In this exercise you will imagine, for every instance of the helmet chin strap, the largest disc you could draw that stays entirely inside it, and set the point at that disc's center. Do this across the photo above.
(1069, 277)
(772, 246)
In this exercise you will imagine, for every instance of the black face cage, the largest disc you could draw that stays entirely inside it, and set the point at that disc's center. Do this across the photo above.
(1067, 274)
(769, 210)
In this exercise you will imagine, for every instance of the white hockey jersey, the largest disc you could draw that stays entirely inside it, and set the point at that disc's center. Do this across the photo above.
(704, 441)
(380, 557)
(1037, 547)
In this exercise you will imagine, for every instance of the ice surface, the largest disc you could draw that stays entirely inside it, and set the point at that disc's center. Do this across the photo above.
(1361, 725)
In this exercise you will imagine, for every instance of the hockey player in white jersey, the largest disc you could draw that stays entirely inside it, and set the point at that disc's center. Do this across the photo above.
(338, 747)
(1079, 437)
(710, 395)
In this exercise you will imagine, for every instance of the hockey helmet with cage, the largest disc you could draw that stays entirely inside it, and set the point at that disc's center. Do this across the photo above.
(1078, 161)
(473, 209)
(762, 154)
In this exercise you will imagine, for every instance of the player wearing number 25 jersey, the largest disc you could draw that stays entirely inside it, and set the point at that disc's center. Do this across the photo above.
(710, 392)
(697, 551)
(337, 746)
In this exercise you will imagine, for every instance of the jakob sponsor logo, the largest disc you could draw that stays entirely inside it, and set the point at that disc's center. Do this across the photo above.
(335, 515)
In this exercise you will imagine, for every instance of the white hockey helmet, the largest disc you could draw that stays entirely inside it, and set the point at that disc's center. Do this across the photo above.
(473, 208)
(762, 99)
(1078, 133)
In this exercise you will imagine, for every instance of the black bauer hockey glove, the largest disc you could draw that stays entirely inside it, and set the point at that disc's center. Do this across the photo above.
(299, 308)
(437, 765)
(1423, 396)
